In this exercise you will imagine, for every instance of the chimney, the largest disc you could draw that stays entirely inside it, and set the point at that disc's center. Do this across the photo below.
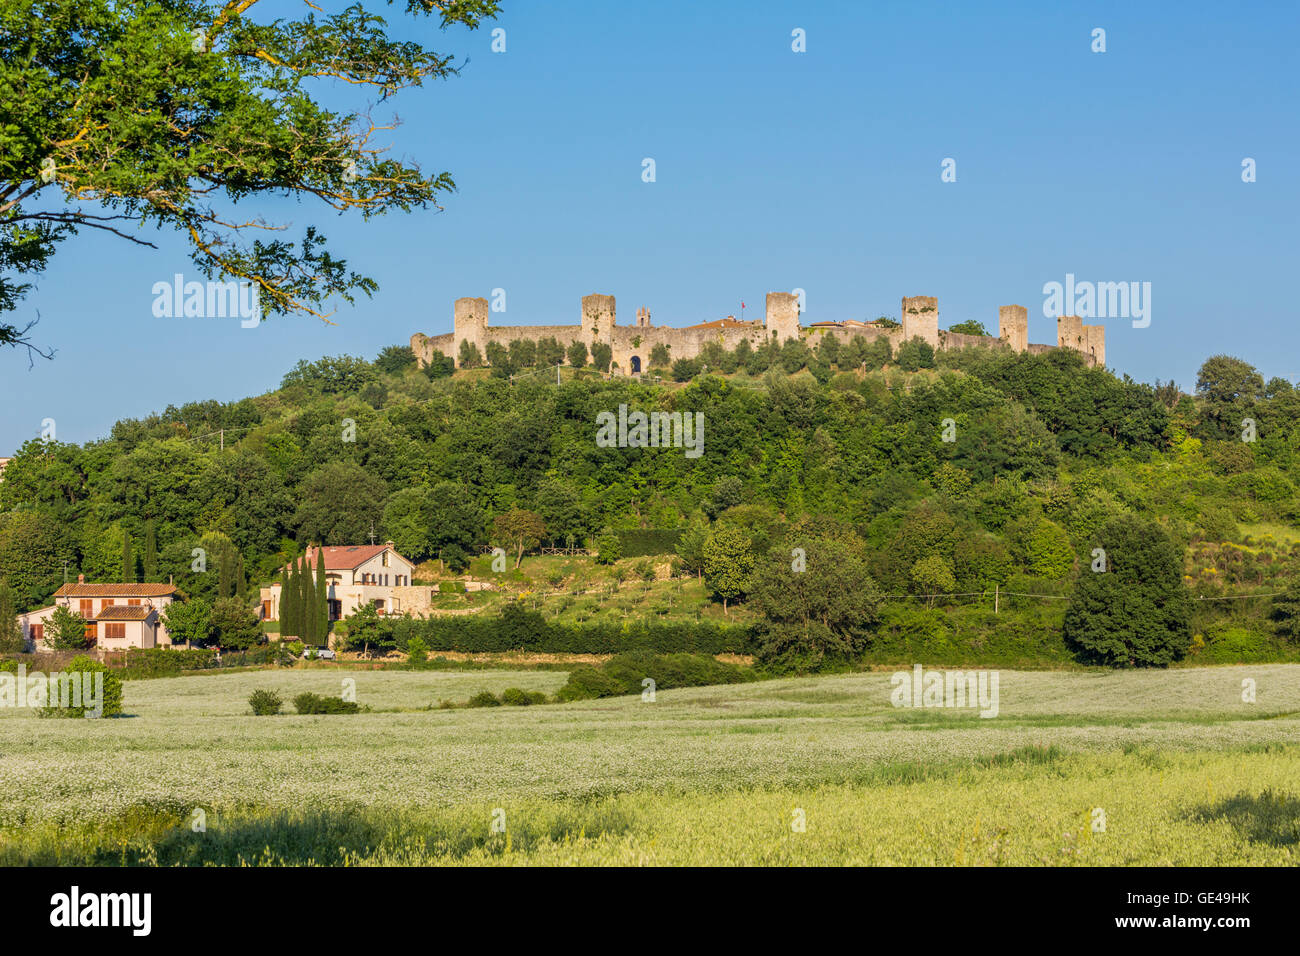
(81, 579)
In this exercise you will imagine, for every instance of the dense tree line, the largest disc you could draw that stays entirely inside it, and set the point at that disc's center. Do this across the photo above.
(976, 467)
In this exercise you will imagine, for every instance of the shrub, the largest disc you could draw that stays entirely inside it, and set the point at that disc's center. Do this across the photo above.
(624, 673)
(417, 652)
(265, 702)
(166, 661)
(484, 698)
(308, 703)
(451, 587)
(587, 682)
(514, 697)
(110, 703)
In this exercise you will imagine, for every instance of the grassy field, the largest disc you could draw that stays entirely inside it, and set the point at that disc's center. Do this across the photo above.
(1184, 771)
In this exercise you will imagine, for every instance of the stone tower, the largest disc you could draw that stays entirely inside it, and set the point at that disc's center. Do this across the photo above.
(598, 318)
(643, 318)
(920, 317)
(1013, 327)
(1069, 333)
(1094, 343)
(782, 316)
(470, 322)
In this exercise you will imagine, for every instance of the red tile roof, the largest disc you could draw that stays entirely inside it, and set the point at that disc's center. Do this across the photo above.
(115, 590)
(727, 324)
(124, 612)
(348, 557)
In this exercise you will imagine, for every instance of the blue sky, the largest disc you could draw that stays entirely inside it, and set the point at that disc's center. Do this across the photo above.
(775, 170)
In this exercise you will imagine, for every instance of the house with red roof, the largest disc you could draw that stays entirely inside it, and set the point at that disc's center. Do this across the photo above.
(355, 574)
(117, 616)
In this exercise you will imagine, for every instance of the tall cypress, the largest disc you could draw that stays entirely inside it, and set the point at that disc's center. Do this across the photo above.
(288, 593)
(303, 579)
(150, 552)
(322, 598)
(226, 571)
(310, 622)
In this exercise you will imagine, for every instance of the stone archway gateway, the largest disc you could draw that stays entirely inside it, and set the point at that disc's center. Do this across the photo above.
(636, 365)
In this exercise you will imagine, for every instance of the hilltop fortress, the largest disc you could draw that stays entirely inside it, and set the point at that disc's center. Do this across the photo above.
(631, 344)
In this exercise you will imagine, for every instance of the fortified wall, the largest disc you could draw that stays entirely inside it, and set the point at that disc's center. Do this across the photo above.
(632, 344)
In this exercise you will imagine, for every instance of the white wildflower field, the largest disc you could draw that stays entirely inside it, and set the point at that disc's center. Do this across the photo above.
(1168, 767)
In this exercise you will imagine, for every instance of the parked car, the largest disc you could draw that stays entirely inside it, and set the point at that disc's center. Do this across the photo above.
(319, 653)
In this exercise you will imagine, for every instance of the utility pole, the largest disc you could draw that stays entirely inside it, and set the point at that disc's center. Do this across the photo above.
(995, 599)
(223, 439)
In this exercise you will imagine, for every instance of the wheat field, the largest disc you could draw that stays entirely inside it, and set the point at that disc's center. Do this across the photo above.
(1077, 768)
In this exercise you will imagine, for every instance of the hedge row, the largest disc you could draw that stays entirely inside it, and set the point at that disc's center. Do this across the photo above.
(647, 542)
(519, 629)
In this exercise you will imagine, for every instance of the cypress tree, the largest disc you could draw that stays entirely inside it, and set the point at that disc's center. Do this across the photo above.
(308, 606)
(128, 566)
(322, 598)
(288, 593)
(150, 552)
(11, 638)
(226, 565)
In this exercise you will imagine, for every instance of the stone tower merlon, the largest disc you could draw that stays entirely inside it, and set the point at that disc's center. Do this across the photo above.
(1094, 343)
(598, 318)
(469, 322)
(643, 318)
(1013, 327)
(920, 317)
(782, 317)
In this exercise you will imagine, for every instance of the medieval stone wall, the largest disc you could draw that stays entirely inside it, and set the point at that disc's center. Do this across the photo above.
(632, 344)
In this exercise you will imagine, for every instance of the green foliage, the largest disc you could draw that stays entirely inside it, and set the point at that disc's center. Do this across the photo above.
(914, 354)
(11, 635)
(1137, 612)
(265, 703)
(469, 355)
(601, 356)
(577, 354)
(728, 562)
(65, 630)
(234, 624)
(627, 673)
(309, 703)
(110, 704)
(969, 327)
(484, 698)
(818, 607)
(395, 359)
(514, 697)
(417, 652)
(250, 127)
(336, 375)
(146, 662)
(642, 542)
(1286, 613)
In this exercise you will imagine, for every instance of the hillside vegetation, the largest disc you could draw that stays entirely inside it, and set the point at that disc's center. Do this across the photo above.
(939, 487)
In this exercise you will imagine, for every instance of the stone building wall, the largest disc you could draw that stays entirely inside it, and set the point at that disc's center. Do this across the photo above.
(632, 344)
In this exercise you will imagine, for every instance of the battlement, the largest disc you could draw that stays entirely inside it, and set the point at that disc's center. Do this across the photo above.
(631, 345)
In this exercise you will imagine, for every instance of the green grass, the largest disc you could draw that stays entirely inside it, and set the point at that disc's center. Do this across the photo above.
(1185, 771)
